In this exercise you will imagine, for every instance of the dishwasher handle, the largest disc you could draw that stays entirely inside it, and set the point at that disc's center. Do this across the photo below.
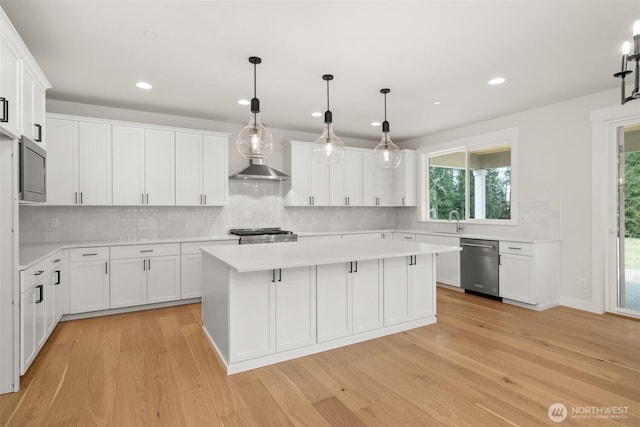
(477, 245)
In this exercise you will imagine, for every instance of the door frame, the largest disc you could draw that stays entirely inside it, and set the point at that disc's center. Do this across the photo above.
(604, 223)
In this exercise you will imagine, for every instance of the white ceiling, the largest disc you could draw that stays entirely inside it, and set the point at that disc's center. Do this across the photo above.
(95, 51)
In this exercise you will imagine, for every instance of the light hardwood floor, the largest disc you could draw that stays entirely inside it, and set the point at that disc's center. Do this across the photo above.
(483, 363)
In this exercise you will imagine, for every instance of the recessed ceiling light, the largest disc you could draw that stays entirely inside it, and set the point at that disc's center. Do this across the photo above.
(316, 114)
(436, 102)
(244, 102)
(497, 81)
(150, 34)
(144, 85)
(375, 123)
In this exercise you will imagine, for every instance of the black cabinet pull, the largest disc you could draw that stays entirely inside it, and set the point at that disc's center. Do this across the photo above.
(280, 275)
(38, 273)
(56, 260)
(81, 202)
(356, 270)
(38, 132)
(41, 294)
(94, 254)
(149, 263)
(5, 110)
(351, 267)
(205, 199)
(144, 265)
(57, 278)
(273, 275)
(147, 250)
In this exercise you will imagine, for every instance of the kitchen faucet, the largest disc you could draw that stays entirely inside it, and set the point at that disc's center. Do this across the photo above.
(457, 214)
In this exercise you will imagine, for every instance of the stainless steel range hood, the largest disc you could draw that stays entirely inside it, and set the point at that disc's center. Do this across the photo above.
(258, 171)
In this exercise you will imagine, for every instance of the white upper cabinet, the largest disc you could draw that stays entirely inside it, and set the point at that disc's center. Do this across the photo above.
(377, 183)
(406, 179)
(9, 83)
(78, 163)
(345, 180)
(159, 167)
(33, 106)
(143, 166)
(201, 169)
(309, 185)
(22, 86)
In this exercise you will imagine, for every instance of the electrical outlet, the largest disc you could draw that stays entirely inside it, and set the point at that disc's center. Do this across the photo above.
(582, 283)
(55, 221)
(524, 219)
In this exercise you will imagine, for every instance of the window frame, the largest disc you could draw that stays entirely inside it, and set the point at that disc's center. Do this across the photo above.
(482, 141)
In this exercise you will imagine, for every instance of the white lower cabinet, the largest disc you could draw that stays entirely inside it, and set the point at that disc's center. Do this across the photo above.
(349, 298)
(405, 297)
(296, 303)
(529, 272)
(88, 279)
(447, 263)
(144, 274)
(38, 312)
(191, 266)
(254, 325)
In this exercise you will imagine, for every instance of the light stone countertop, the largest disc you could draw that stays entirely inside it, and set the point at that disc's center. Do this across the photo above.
(247, 258)
(32, 253)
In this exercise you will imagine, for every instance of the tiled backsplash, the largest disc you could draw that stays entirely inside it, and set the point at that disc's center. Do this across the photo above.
(252, 204)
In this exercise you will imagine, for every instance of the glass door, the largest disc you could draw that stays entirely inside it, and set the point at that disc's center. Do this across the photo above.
(628, 284)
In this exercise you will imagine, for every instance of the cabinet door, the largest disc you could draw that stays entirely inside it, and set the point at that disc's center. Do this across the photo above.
(191, 276)
(50, 303)
(39, 100)
(367, 296)
(516, 278)
(423, 286)
(396, 291)
(9, 86)
(337, 184)
(28, 117)
(89, 283)
(159, 167)
(215, 178)
(369, 194)
(60, 288)
(94, 163)
(128, 282)
(296, 308)
(252, 311)
(299, 193)
(406, 179)
(319, 182)
(62, 162)
(334, 302)
(27, 328)
(353, 177)
(41, 312)
(189, 161)
(128, 165)
(163, 279)
(384, 180)
(447, 263)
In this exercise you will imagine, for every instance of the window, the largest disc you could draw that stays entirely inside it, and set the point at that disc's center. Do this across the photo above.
(475, 179)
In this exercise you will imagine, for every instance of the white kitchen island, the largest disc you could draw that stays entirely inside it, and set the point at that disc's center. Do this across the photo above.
(268, 303)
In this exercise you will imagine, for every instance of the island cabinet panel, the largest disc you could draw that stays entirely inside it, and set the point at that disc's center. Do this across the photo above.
(334, 301)
(252, 305)
(296, 307)
(396, 290)
(422, 292)
(367, 296)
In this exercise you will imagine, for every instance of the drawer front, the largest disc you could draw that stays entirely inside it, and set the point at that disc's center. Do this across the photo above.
(407, 237)
(516, 248)
(192, 248)
(144, 251)
(89, 254)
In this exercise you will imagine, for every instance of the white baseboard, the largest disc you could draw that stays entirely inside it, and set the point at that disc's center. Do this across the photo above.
(535, 307)
(580, 304)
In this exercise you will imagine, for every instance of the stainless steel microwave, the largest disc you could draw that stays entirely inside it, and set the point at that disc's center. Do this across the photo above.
(33, 170)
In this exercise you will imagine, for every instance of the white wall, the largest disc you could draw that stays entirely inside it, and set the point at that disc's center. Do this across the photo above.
(554, 160)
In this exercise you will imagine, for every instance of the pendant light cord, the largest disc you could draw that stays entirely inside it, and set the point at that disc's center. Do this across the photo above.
(385, 107)
(327, 95)
(255, 121)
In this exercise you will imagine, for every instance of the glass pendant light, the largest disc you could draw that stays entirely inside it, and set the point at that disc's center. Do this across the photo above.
(328, 148)
(254, 141)
(387, 153)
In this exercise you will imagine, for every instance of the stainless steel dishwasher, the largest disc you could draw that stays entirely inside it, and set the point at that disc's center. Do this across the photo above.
(479, 271)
